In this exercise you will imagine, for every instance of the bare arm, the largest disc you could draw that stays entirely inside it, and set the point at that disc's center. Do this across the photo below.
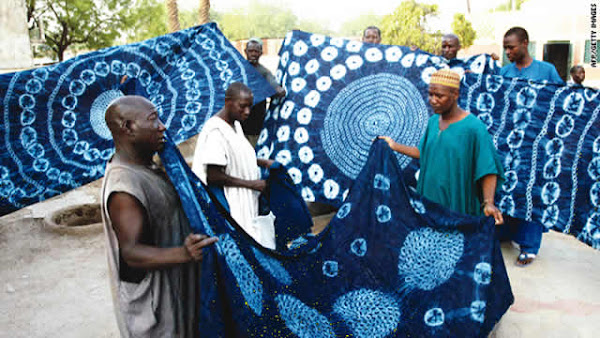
(401, 148)
(264, 163)
(128, 217)
(488, 190)
(216, 175)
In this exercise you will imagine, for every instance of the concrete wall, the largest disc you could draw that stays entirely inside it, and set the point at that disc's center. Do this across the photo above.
(15, 50)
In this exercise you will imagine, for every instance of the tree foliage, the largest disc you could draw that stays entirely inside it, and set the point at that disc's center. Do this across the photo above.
(509, 5)
(356, 26)
(407, 26)
(258, 19)
(148, 19)
(464, 30)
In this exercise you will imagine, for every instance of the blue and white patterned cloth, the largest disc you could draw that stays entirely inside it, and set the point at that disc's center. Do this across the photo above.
(53, 135)
(342, 94)
(388, 264)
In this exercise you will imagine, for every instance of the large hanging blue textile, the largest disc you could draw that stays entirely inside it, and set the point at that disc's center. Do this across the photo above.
(549, 139)
(388, 264)
(53, 135)
(342, 94)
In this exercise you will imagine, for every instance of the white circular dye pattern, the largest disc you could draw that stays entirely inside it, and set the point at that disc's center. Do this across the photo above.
(359, 247)
(521, 118)
(426, 74)
(192, 94)
(298, 84)
(286, 109)
(303, 321)
(354, 62)
(428, 257)
(407, 60)
(101, 68)
(344, 210)
(300, 48)
(338, 72)
(279, 75)
(77, 87)
(526, 97)
(331, 189)
(381, 182)
(288, 38)
(493, 82)
(324, 83)
(550, 193)
(301, 135)
(596, 145)
(434, 317)
(312, 98)
(262, 137)
(133, 69)
(69, 118)
(263, 152)
(373, 54)
(308, 195)
(315, 173)
(98, 110)
(69, 102)
(117, 67)
(418, 206)
(483, 273)
(304, 116)
(552, 168)
(478, 311)
(458, 70)
(188, 122)
(193, 107)
(594, 168)
(595, 194)
(550, 216)
(515, 138)
(383, 213)
(295, 174)
(330, 268)
(565, 126)
(352, 120)
(574, 103)
(512, 160)
(285, 57)
(312, 66)
(283, 133)
(436, 60)
(28, 136)
(507, 205)
(511, 180)
(485, 102)
(487, 120)
(284, 157)
(421, 59)
(393, 54)
(317, 39)
(294, 68)
(329, 53)
(88, 76)
(354, 46)
(478, 65)
(26, 101)
(338, 42)
(305, 154)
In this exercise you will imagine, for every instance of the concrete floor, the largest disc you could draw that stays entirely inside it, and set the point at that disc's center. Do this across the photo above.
(56, 285)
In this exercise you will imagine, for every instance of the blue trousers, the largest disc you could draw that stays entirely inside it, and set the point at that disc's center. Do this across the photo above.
(527, 234)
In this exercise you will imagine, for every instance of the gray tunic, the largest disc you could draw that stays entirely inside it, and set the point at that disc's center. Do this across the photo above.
(165, 303)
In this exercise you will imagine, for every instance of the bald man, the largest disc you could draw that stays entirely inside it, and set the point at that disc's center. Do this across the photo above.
(459, 165)
(152, 255)
(450, 46)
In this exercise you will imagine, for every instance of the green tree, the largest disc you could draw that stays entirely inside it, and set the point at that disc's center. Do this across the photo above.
(148, 19)
(258, 19)
(463, 28)
(407, 26)
(356, 26)
(509, 5)
(89, 24)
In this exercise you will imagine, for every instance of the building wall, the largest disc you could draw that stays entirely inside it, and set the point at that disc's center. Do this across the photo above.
(15, 50)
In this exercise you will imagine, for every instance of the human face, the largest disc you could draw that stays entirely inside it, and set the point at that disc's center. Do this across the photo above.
(442, 98)
(239, 108)
(578, 76)
(253, 52)
(515, 50)
(449, 48)
(149, 131)
(371, 36)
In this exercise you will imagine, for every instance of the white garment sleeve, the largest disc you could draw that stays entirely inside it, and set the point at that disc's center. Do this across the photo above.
(210, 150)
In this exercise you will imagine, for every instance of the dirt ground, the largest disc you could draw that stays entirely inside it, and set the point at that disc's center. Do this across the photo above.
(56, 285)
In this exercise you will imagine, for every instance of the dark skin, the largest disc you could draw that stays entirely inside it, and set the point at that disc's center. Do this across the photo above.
(450, 46)
(443, 100)
(578, 75)
(516, 51)
(371, 35)
(138, 134)
(236, 109)
(253, 53)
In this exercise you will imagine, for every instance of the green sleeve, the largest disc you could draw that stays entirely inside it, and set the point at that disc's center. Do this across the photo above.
(486, 159)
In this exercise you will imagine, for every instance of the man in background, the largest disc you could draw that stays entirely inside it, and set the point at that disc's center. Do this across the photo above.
(372, 34)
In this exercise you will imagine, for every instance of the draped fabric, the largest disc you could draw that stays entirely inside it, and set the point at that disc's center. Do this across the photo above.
(53, 136)
(342, 94)
(388, 264)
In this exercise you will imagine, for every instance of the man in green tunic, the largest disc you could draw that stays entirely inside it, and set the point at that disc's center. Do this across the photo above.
(459, 165)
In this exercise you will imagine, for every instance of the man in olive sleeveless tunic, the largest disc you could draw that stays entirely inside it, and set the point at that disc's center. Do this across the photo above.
(152, 255)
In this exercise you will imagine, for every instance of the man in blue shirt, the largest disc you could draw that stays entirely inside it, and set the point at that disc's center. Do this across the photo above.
(527, 234)
(522, 64)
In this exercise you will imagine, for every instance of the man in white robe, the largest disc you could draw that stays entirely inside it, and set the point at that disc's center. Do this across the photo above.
(224, 157)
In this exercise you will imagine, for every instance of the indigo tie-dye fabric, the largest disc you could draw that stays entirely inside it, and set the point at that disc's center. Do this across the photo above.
(388, 264)
(342, 94)
(53, 135)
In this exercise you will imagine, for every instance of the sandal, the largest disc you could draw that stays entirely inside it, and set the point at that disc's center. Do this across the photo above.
(525, 259)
